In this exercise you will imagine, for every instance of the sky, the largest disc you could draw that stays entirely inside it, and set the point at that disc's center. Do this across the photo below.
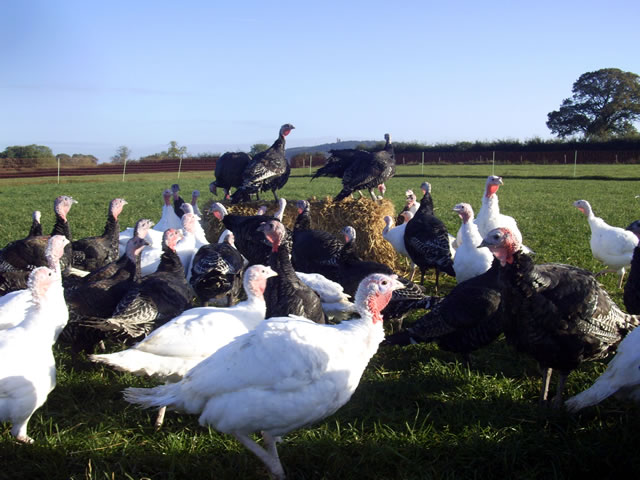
(87, 77)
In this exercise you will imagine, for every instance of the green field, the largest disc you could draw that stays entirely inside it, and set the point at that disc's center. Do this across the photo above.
(418, 413)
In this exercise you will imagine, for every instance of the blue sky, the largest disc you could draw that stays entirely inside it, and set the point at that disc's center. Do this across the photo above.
(87, 77)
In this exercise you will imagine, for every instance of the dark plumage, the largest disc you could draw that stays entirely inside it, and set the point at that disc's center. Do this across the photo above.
(631, 295)
(248, 240)
(217, 270)
(427, 240)
(155, 300)
(558, 314)
(97, 295)
(229, 169)
(29, 252)
(92, 253)
(468, 318)
(265, 169)
(360, 169)
(285, 293)
(36, 227)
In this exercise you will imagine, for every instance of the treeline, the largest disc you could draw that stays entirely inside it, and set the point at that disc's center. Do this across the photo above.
(40, 156)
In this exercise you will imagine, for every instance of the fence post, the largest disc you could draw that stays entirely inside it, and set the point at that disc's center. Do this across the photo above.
(493, 164)
(575, 162)
(58, 170)
(179, 167)
(124, 168)
(422, 163)
(310, 162)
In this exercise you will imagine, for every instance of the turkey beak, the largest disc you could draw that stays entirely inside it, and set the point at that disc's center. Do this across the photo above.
(396, 284)
(270, 272)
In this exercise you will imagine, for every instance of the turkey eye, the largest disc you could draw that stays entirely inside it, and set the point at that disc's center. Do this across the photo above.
(384, 282)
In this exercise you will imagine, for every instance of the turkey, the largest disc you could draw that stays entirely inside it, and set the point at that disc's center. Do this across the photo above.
(98, 294)
(468, 318)
(286, 294)
(178, 201)
(194, 202)
(427, 240)
(27, 253)
(169, 219)
(395, 235)
(613, 246)
(558, 314)
(171, 350)
(303, 220)
(621, 378)
(489, 216)
(189, 245)
(216, 270)
(469, 261)
(36, 226)
(249, 241)
(360, 169)
(25, 385)
(286, 373)
(265, 167)
(14, 305)
(92, 253)
(335, 302)
(158, 297)
(229, 169)
(631, 296)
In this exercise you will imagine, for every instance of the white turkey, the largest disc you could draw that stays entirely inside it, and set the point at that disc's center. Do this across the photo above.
(621, 378)
(470, 261)
(268, 169)
(558, 314)
(169, 218)
(25, 384)
(395, 235)
(411, 206)
(194, 202)
(286, 373)
(14, 305)
(489, 216)
(613, 246)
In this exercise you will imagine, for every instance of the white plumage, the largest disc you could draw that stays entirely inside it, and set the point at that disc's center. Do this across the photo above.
(621, 378)
(489, 216)
(25, 385)
(469, 260)
(613, 246)
(14, 305)
(175, 347)
(395, 235)
(286, 373)
(335, 302)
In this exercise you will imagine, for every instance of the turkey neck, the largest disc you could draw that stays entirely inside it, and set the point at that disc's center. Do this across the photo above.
(280, 260)
(279, 144)
(170, 262)
(521, 274)
(111, 228)
(426, 205)
(61, 227)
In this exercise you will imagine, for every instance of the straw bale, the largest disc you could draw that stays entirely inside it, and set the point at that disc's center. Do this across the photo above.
(365, 216)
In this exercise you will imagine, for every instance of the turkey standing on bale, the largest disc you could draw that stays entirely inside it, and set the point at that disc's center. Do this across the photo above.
(25, 385)
(92, 253)
(265, 167)
(229, 169)
(360, 169)
(216, 270)
(286, 294)
(427, 240)
(287, 373)
(558, 314)
(158, 297)
(468, 318)
(613, 246)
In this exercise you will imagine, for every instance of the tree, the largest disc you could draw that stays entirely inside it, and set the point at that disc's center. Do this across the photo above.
(28, 156)
(605, 103)
(122, 155)
(257, 148)
(175, 151)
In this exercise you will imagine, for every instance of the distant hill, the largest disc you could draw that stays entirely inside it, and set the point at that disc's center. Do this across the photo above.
(325, 147)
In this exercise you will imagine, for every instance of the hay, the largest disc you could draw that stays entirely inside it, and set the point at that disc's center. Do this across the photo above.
(362, 214)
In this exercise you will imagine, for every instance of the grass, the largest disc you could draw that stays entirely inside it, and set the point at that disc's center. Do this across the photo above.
(418, 412)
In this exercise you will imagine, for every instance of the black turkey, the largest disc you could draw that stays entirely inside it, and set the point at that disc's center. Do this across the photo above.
(631, 295)
(248, 240)
(265, 167)
(360, 169)
(97, 295)
(285, 293)
(29, 252)
(427, 240)
(217, 270)
(92, 253)
(558, 314)
(229, 169)
(36, 227)
(468, 318)
(155, 300)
